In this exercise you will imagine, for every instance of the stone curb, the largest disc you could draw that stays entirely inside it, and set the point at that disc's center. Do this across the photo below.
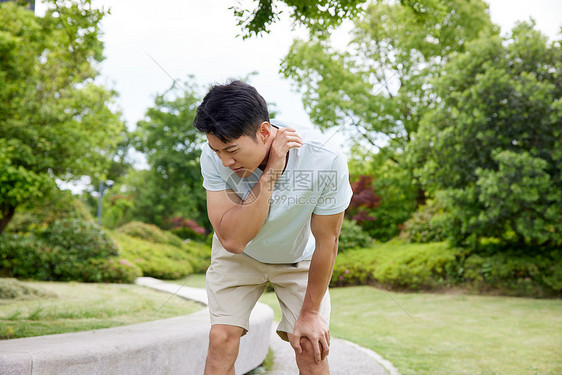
(169, 346)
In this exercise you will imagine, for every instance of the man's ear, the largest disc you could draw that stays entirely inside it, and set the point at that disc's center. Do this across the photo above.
(264, 131)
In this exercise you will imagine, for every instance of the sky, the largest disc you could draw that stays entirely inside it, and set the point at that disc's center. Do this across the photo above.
(194, 37)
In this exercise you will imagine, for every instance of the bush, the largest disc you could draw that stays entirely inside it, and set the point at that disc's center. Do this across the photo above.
(399, 265)
(406, 266)
(60, 204)
(199, 254)
(113, 270)
(348, 271)
(157, 259)
(79, 240)
(418, 266)
(426, 224)
(25, 256)
(32, 257)
(513, 273)
(352, 236)
(149, 232)
(186, 228)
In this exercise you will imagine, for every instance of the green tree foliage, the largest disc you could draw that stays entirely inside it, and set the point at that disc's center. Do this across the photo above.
(492, 148)
(172, 187)
(380, 87)
(381, 82)
(55, 122)
(384, 196)
(37, 217)
(352, 237)
(69, 249)
(316, 15)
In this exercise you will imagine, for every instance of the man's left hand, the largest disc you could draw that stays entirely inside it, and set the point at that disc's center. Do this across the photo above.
(314, 327)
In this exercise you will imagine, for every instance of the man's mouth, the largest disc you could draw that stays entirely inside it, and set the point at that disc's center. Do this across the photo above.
(238, 169)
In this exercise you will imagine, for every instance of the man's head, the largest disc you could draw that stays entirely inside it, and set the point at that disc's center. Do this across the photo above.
(231, 111)
(236, 121)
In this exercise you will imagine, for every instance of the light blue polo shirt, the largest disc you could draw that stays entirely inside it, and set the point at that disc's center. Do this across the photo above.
(316, 180)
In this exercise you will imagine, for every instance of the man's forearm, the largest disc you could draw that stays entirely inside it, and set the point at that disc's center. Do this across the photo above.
(319, 274)
(241, 224)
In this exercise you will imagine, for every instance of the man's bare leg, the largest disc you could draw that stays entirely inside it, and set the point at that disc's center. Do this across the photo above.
(306, 363)
(224, 343)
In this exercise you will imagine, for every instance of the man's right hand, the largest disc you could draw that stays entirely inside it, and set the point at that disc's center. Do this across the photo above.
(285, 139)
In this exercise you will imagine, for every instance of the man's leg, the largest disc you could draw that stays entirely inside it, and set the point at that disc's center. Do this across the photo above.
(306, 363)
(290, 284)
(224, 342)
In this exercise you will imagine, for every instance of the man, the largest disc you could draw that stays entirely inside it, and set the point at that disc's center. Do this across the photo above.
(275, 198)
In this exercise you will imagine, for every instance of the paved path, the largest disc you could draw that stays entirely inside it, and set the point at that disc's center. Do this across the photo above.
(345, 358)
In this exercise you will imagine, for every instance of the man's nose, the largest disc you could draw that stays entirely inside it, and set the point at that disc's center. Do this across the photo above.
(227, 160)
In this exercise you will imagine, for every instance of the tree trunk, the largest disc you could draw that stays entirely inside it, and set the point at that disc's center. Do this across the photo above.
(420, 197)
(7, 215)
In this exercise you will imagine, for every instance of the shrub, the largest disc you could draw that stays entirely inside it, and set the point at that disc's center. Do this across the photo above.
(32, 257)
(60, 204)
(513, 273)
(113, 270)
(79, 240)
(197, 253)
(149, 232)
(426, 224)
(418, 266)
(25, 256)
(348, 271)
(187, 228)
(157, 259)
(407, 266)
(352, 236)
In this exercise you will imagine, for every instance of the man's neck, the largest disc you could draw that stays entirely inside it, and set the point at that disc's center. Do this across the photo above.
(266, 159)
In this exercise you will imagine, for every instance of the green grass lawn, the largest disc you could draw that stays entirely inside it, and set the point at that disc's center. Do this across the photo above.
(430, 333)
(71, 307)
(423, 333)
(195, 280)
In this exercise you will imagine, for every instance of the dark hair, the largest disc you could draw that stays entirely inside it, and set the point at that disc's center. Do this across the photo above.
(230, 111)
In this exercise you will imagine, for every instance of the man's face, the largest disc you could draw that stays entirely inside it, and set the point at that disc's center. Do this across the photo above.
(243, 155)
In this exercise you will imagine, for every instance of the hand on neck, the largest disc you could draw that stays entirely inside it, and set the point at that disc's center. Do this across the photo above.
(268, 144)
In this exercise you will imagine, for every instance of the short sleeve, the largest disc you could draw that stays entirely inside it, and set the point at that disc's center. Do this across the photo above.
(212, 179)
(336, 190)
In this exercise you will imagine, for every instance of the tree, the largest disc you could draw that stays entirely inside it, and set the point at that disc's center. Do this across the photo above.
(383, 194)
(55, 122)
(317, 15)
(381, 84)
(492, 147)
(173, 186)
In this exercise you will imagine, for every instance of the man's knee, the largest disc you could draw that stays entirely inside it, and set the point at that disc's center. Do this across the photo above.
(224, 337)
(306, 362)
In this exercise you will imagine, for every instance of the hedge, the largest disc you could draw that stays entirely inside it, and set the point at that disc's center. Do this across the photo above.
(433, 266)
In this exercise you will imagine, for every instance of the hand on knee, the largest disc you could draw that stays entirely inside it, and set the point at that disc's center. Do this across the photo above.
(306, 361)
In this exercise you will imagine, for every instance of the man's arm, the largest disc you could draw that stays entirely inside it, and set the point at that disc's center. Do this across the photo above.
(326, 231)
(237, 222)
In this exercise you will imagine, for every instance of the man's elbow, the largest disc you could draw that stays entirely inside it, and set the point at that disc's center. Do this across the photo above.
(232, 247)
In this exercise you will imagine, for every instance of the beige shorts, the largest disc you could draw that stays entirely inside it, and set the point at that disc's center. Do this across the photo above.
(235, 282)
